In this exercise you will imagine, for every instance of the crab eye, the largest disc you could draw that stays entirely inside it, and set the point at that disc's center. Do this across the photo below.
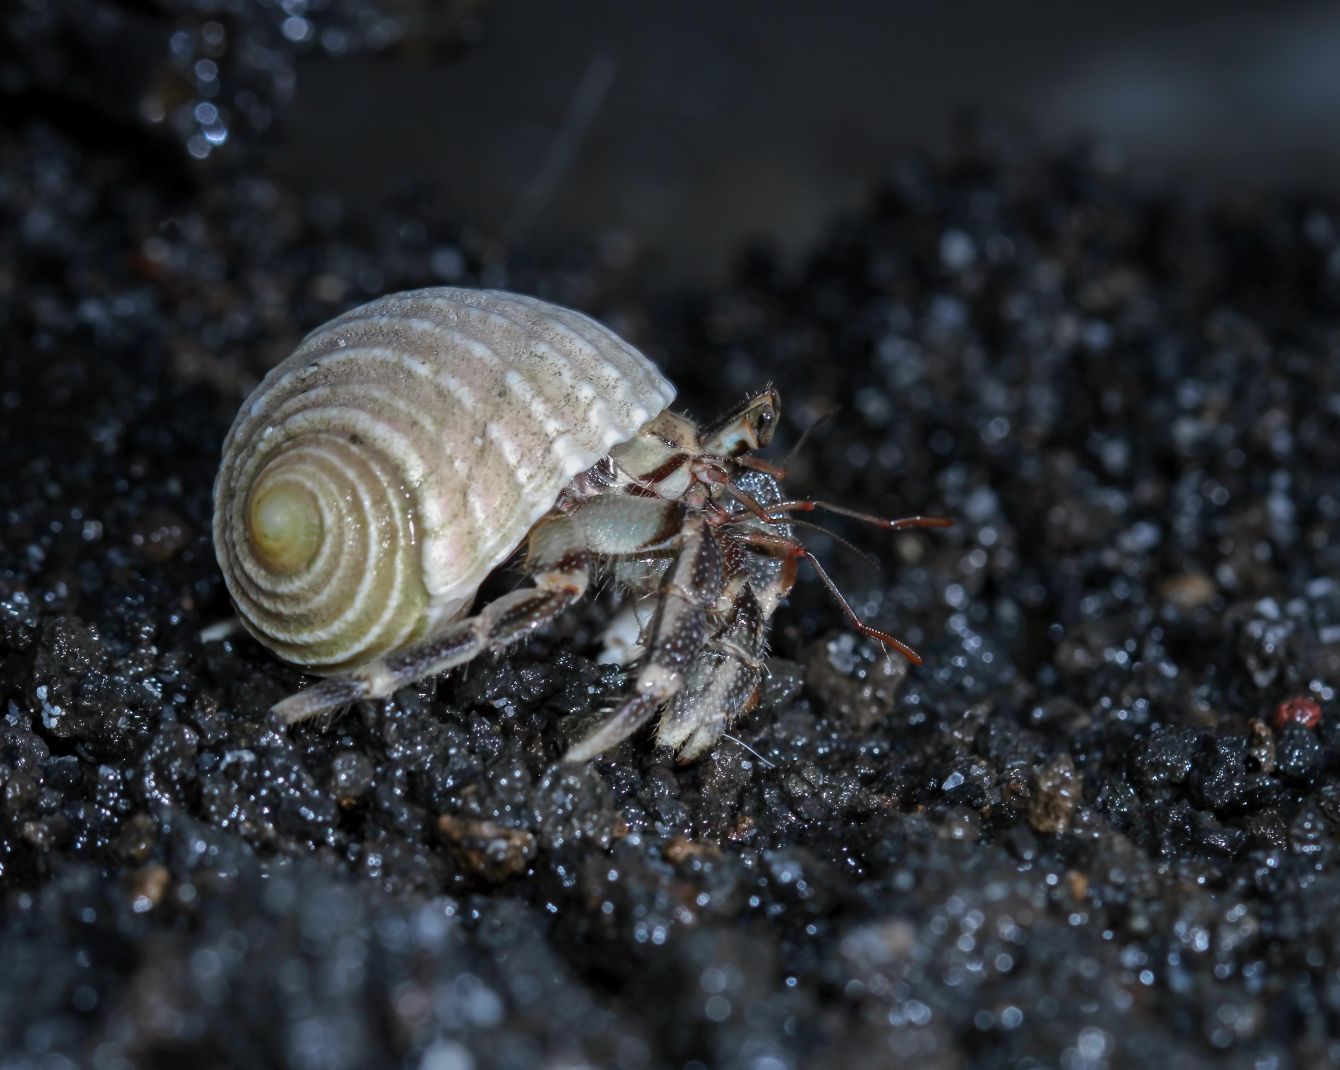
(763, 422)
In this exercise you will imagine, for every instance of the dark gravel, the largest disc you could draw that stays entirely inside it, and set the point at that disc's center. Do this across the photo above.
(1097, 829)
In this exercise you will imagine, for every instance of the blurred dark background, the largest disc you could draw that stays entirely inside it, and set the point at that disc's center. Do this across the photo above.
(686, 128)
(673, 131)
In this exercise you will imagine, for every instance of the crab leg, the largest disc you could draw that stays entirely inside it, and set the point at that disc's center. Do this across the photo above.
(723, 683)
(678, 630)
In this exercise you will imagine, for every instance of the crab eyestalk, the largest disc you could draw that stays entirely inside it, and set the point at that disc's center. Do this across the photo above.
(746, 429)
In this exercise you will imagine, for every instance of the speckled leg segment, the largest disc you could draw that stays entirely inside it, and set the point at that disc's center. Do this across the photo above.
(723, 683)
(691, 585)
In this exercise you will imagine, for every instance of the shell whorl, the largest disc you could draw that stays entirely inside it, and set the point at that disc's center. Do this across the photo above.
(403, 451)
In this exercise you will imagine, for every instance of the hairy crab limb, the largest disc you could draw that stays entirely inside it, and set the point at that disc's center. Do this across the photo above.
(690, 586)
(724, 683)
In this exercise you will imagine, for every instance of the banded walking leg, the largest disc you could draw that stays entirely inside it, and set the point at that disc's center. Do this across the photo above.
(678, 630)
(724, 683)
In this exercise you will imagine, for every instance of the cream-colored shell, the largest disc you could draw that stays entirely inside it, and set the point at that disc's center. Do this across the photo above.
(433, 428)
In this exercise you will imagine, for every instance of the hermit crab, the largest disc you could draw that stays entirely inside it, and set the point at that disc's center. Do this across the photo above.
(412, 445)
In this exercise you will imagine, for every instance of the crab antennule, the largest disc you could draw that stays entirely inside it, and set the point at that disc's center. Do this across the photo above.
(792, 551)
(856, 622)
(868, 559)
(902, 523)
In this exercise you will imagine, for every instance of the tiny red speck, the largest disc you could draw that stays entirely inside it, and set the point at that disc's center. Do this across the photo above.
(1304, 711)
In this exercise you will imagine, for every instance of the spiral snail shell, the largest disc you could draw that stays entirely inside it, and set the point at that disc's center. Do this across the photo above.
(404, 449)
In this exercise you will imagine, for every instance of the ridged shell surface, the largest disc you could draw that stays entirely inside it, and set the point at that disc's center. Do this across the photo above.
(402, 452)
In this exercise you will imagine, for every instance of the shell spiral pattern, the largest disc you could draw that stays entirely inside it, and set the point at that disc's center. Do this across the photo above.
(402, 452)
